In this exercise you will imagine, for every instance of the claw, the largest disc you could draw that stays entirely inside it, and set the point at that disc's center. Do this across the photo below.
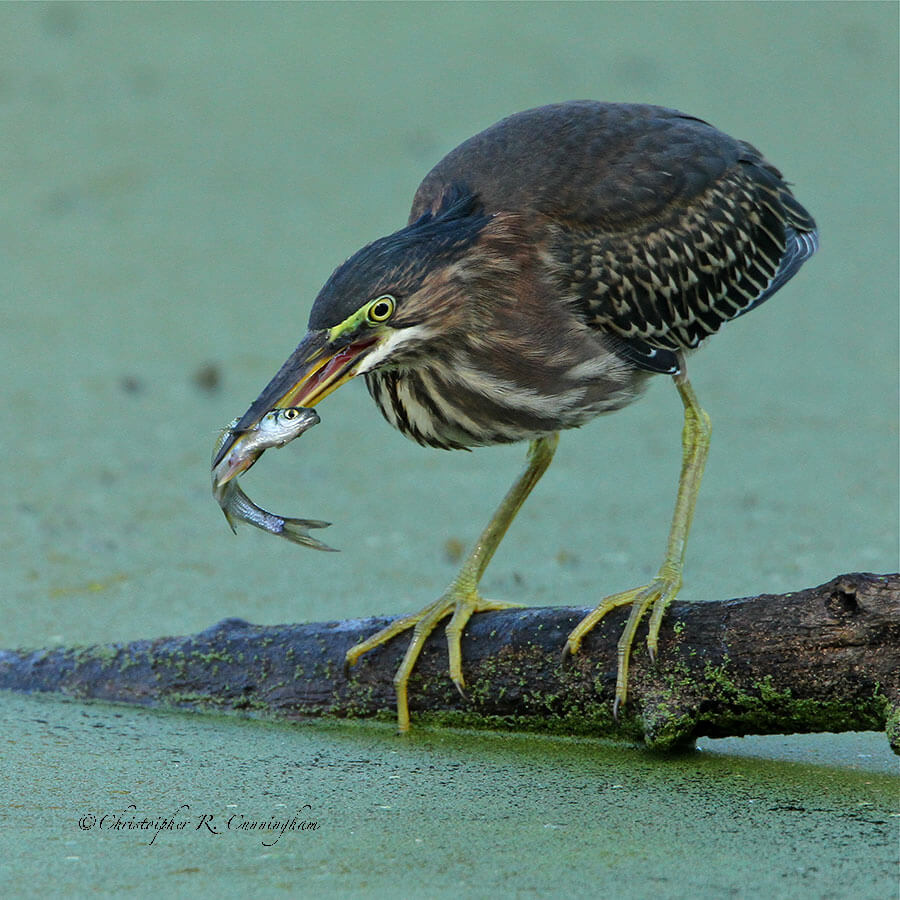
(462, 605)
(616, 709)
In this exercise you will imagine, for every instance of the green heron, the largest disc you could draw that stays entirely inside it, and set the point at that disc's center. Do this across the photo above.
(550, 266)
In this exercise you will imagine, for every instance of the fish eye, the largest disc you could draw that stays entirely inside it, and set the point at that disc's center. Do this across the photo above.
(381, 309)
(290, 413)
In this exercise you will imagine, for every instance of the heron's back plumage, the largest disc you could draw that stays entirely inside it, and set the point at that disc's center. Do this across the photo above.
(655, 226)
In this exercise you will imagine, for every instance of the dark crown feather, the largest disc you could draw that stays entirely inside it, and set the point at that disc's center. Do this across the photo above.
(398, 263)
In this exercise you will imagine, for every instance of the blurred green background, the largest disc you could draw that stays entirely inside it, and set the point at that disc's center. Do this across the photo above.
(177, 182)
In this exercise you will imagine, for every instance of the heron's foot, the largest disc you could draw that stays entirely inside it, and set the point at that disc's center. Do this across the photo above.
(460, 605)
(656, 596)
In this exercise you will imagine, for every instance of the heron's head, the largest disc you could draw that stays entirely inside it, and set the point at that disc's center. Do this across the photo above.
(393, 303)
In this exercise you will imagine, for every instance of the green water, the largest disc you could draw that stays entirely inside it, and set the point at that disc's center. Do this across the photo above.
(177, 183)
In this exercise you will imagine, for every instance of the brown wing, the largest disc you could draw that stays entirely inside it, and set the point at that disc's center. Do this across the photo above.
(668, 284)
(658, 227)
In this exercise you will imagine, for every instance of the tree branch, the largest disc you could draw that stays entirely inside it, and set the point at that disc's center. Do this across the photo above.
(822, 659)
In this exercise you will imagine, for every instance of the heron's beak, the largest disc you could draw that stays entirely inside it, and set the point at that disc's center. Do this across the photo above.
(315, 369)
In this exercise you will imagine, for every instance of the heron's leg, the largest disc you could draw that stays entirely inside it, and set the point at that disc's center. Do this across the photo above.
(461, 598)
(662, 590)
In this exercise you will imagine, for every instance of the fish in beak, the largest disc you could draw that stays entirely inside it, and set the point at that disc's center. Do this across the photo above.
(316, 368)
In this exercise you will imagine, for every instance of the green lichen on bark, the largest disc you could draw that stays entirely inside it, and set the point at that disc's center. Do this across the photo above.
(893, 728)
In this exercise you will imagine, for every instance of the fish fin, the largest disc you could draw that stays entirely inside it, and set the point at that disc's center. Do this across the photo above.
(230, 520)
(296, 531)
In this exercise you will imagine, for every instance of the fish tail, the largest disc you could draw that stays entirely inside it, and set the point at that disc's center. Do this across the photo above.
(296, 530)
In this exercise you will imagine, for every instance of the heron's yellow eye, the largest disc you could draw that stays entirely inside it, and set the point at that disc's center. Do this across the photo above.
(381, 309)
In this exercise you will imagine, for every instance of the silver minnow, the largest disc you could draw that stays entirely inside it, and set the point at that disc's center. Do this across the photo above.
(277, 428)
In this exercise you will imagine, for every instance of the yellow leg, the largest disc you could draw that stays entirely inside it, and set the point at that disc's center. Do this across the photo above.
(662, 590)
(461, 598)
